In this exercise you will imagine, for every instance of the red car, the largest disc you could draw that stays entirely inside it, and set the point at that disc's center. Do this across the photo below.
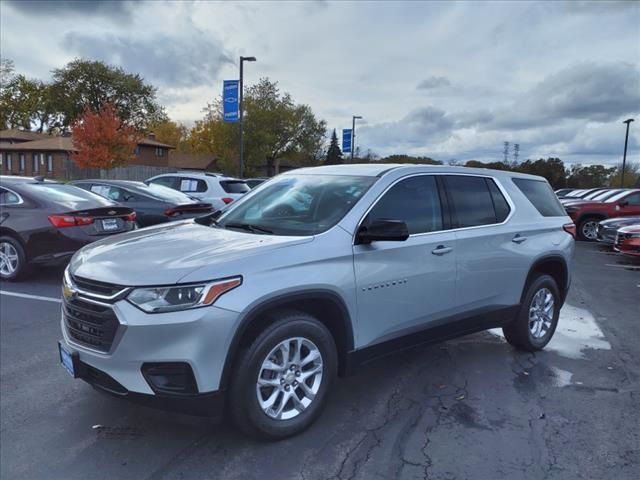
(628, 240)
(586, 215)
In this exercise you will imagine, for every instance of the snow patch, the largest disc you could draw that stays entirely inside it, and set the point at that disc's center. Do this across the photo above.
(562, 378)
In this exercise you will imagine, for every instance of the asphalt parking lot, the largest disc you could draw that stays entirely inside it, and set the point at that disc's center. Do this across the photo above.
(472, 408)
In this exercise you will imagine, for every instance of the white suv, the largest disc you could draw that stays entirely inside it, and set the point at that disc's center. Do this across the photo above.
(213, 188)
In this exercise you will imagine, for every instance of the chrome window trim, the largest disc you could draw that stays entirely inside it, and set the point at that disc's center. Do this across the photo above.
(512, 206)
(20, 202)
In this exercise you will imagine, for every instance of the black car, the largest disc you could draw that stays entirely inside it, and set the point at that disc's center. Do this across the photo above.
(607, 229)
(45, 222)
(153, 203)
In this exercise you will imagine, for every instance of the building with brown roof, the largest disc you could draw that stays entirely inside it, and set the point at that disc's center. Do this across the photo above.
(31, 153)
(193, 161)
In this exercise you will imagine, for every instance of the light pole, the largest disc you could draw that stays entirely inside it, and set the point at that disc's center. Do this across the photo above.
(242, 60)
(353, 134)
(624, 157)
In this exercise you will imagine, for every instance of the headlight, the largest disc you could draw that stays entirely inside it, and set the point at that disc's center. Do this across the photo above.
(181, 297)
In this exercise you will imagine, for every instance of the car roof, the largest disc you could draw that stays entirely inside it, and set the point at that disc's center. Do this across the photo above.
(16, 180)
(196, 174)
(380, 169)
(117, 183)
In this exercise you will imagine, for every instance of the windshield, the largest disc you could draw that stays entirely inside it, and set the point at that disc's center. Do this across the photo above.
(617, 197)
(297, 204)
(607, 194)
(164, 193)
(59, 192)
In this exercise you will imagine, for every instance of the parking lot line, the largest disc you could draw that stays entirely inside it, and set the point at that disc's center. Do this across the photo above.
(629, 266)
(33, 297)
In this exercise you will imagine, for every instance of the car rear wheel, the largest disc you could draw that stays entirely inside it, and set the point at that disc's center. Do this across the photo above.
(12, 259)
(282, 379)
(537, 319)
(588, 228)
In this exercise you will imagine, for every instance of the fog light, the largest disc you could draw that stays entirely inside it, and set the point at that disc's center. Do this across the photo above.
(171, 378)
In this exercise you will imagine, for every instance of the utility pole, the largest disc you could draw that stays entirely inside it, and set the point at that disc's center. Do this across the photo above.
(353, 134)
(506, 152)
(624, 157)
(242, 60)
(516, 152)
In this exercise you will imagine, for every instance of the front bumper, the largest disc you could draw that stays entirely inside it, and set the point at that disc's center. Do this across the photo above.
(210, 404)
(199, 338)
(606, 235)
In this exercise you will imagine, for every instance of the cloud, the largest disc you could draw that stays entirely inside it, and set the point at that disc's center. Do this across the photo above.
(176, 61)
(416, 129)
(433, 83)
(49, 8)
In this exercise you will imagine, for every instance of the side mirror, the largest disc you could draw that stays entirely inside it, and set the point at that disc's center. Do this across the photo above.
(383, 231)
(128, 198)
(623, 204)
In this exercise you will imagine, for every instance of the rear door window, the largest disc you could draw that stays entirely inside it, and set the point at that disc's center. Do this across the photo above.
(192, 185)
(234, 186)
(415, 201)
(472, 201)
(539, 193)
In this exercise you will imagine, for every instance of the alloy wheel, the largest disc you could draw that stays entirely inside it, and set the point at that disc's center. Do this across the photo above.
(590, 230)
(289, 378)
(541, 312)
(8, 259)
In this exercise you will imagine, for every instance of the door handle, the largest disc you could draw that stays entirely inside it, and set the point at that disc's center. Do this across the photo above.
(518, 238)
(441, 250)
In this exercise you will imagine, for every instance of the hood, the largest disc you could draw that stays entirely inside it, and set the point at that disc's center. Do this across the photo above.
(620, 221)
(630, 229)
(164, 254)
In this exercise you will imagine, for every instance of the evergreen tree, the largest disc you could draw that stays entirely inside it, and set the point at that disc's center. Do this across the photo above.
(334, 154)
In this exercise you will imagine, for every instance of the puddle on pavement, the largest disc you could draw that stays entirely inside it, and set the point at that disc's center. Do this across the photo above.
(577, 331)
(561, 378)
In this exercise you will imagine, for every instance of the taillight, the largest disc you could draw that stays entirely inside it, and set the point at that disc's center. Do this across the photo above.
(170, 212)
(62, 221)
(570, 228)
(131, 217)
(227, 200)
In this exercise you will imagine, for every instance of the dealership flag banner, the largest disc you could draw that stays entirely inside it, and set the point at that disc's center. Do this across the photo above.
(230, 93)
(346, 140)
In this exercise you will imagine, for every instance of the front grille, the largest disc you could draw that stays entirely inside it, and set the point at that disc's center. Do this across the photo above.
(89, 324)
(95, 287)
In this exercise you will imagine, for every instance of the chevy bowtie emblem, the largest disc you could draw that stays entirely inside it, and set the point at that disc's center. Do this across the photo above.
(111, 212)
(68, 293)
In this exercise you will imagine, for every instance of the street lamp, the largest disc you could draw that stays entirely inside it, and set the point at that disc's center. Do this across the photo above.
(242, 60)
(624, 158)
(353, 134)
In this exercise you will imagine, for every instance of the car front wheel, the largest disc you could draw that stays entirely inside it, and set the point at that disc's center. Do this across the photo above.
(282, 379)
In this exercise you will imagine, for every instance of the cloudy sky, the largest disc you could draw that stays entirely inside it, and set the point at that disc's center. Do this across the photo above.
(448, 80)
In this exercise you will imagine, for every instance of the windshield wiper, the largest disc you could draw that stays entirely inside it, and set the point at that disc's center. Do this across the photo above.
(248, 227)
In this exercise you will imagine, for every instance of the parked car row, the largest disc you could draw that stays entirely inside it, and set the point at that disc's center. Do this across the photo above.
(588, 207)
(622, 233)
(43, 222)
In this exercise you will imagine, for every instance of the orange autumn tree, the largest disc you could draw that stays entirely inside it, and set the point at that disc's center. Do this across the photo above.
(102, 140)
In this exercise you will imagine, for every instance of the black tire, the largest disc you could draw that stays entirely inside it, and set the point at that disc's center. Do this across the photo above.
(518, 333)
(21, 269)
(243, 395)
(585, 231)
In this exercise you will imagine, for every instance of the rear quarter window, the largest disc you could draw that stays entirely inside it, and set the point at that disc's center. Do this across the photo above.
(234, 186)
(539, 193)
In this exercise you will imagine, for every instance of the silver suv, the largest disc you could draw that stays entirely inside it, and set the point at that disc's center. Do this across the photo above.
(309, 276)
